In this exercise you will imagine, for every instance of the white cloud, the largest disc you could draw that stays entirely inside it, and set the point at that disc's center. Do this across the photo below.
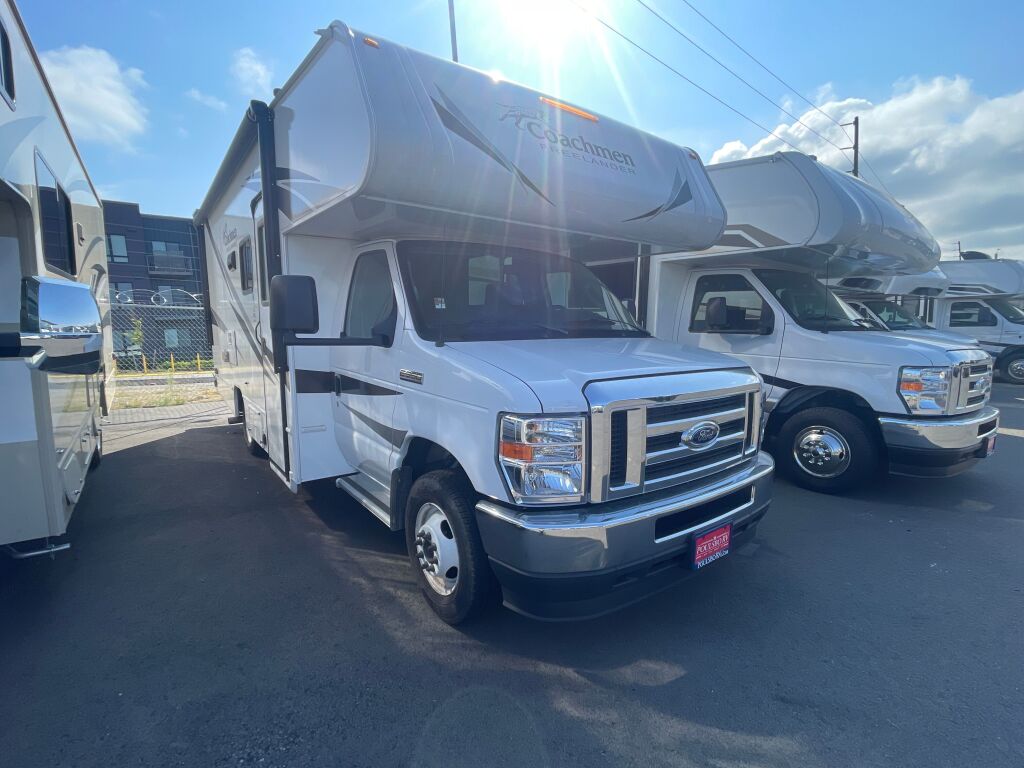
(951, 155)
(252, 75)
(97, 95)
(206, 99)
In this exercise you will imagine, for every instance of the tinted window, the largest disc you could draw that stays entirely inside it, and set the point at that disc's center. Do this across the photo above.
(744, 306)
(963, 314)
(54, 220)
(6, 65)
(471, 292)
(245, 260)
(810, 303)
(371, 298)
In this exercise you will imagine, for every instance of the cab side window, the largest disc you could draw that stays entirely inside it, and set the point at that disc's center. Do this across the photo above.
(371, 310)
(964, 314)
(745, 310)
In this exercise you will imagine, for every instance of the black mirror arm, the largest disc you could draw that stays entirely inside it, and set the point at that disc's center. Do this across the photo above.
(287, 339)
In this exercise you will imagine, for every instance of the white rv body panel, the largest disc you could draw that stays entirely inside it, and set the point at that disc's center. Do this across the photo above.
(384, 160)
(51, 226)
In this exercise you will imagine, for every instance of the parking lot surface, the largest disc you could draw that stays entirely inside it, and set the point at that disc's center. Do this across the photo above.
(205, 616)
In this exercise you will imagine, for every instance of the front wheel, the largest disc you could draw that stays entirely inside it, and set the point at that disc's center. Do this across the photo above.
(828, 450)
(1013, 368)
(444, 546)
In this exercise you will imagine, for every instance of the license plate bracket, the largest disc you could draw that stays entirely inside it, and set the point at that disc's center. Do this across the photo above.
(711, 545)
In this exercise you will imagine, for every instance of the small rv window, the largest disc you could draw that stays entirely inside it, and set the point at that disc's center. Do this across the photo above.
(371, 298)
(261, 249)
(245, 260)
(54, 220)
(6, 66)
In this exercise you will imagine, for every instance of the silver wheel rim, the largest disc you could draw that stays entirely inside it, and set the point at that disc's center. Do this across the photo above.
(821, 452)
(1016, 369)
(436, 549)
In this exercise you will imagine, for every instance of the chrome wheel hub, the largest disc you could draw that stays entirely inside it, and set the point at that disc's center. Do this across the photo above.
(1016, 370)
(822, 452)
(436, 549)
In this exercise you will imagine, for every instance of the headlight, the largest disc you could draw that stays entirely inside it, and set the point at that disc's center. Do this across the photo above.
(926, 390)
(542, 458)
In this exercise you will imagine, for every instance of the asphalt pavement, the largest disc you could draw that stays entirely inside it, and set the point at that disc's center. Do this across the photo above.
(205, 616)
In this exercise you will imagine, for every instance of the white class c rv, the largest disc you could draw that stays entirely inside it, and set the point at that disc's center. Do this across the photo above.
(845, 399)
(394, 309)
(54, 343)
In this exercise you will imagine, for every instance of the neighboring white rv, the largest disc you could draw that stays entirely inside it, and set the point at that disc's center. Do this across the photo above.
(393, 309)
(900, 303)
(54, 343)
(985, 298)
(846, 398)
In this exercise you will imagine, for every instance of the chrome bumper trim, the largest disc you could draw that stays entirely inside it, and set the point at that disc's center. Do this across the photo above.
(955, 433)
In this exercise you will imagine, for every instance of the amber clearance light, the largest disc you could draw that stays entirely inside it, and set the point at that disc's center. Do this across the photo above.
(569, 108)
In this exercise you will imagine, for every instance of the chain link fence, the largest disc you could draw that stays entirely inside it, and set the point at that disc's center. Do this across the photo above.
(162, 351)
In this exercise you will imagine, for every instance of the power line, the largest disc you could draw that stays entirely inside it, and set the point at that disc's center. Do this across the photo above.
(739, 77)
(676, 72)
(786, 85)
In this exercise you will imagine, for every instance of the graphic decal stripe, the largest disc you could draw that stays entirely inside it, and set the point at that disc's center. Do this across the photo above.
(394, 436)
(680, 195)
(459, 124)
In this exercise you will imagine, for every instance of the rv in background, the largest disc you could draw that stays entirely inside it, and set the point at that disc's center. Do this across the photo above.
(393, 308)
(985, 299)
(54, 342)
(978, 297)
(845, 398)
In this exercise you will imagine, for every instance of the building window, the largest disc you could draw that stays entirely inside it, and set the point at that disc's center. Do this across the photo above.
(6, 66)
(54, 220)
(117, 247)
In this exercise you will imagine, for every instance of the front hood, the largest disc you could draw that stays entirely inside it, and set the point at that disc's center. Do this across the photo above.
(947, 340)
(557, 370)
(888, 348)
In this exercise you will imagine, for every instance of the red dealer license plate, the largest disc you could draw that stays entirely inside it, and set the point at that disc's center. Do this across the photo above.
(711, 546)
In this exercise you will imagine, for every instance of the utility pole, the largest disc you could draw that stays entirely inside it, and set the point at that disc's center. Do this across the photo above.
(451, 25)
(856, 144)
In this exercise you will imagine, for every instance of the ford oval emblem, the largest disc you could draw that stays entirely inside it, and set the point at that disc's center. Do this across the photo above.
(700, 435)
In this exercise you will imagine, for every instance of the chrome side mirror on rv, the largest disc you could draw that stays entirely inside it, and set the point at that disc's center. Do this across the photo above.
(717, 314)
(294, 310)
(61, 319)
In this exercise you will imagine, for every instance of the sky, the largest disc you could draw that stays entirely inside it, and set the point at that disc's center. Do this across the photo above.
(155, 91)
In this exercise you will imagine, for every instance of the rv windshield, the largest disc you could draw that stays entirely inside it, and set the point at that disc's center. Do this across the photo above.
(810, 303)
(1010, 309)
(470, 292)
(895, 317)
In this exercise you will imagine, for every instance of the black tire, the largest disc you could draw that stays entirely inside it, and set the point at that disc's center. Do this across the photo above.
(1012, 368)
(251, 445)
(97, 454)
(475, 585)
(863, 451)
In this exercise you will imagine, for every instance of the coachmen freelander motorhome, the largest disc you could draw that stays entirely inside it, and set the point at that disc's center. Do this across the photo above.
(393, 309)
(846, 399)
(53, 342)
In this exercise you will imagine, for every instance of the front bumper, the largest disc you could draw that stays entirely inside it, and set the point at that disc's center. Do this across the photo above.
(587, 560)
(931, 447)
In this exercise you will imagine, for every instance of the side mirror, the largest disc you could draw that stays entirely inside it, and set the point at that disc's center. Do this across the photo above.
(293, 305)
(717, 314)
(766, 325)
(62, 319)
(987, 317)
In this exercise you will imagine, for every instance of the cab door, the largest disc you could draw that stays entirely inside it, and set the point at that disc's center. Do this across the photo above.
(364, 376)
(754, 331)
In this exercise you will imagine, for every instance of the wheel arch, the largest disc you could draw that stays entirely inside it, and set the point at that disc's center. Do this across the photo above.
(419, 456)
(801, 398)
